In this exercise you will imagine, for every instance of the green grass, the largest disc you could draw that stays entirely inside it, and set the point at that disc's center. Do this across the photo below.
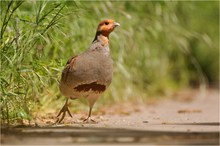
(160, 47)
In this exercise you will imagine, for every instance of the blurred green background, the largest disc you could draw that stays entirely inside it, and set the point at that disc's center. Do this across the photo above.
(161, 47)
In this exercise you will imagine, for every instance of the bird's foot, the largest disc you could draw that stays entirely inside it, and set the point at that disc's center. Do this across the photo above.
(89, 120)
(62, 113)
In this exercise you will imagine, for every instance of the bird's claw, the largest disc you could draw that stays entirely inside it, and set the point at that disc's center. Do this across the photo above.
(63, 113)
(89, 120)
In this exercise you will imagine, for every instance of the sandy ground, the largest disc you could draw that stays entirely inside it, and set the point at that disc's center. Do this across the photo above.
(190, 118)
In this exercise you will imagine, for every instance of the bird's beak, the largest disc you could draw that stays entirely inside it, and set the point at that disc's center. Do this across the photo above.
(116, 24)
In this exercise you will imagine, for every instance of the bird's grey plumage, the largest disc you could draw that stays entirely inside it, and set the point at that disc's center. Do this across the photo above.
(94, 65)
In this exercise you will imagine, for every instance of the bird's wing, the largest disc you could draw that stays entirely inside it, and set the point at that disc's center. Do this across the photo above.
(69, 66)
(71, 60)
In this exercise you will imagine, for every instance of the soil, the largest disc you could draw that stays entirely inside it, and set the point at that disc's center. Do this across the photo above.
(191, 117)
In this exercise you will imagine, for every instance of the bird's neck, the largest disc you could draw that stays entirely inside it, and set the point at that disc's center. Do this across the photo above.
(101, 38)
(100, 43)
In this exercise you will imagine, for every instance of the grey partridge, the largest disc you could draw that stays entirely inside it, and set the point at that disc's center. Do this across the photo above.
(90, 73)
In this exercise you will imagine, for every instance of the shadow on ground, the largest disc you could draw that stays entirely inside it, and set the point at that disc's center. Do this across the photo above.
(57, 135)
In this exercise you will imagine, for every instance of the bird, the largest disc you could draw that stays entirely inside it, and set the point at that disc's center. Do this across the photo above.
(90, 73)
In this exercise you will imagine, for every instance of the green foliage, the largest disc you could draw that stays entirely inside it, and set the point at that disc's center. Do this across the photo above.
(27, 49)
(159, 47)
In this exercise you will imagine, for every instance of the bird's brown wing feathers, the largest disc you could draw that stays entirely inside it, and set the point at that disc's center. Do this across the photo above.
(69, 66)
(71, 60)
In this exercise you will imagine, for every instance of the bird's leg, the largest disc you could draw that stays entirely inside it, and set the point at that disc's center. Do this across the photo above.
(91, 100)
(88, 119)
(63, 112)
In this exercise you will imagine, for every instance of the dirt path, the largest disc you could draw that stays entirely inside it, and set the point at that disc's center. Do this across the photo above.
(189, 119)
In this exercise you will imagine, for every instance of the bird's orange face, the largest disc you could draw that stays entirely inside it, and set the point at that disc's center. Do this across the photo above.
(107, 26)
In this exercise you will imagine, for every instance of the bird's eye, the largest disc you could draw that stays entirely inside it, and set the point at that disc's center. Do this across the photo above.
(106, 23)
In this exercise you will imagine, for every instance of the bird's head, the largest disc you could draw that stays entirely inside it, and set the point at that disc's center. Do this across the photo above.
(105, 27)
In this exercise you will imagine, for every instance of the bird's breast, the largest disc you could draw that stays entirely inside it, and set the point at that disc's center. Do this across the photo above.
(90, 73)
